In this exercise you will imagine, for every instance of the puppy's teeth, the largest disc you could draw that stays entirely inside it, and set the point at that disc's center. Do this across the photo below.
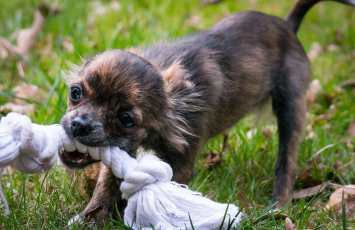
(80, 147)
(79, 161)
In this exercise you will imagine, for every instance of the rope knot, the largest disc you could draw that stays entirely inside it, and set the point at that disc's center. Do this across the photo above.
(31, 148)
(148, 170)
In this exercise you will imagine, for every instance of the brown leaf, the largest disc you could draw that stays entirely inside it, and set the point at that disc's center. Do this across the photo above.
(87, 179)
(251, 133)
(27, 91)
(25, 37)
(350, 82)
(333, 48)
(311, 160)
(212, 159)
(350, 163)
(335, 200)
(351, 129)
(313, 89)
(337, 165)
(3, 51)
(23, 109)
(8, 169)
(100, 9)
(306, 172)
(289, 225)
(92, 171)
(305, 179)
(308, 192)
(68, 45)
(194, 22)
(244, 199)
(315, 50)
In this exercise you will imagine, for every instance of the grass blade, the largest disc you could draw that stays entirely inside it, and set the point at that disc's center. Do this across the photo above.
(343, 211)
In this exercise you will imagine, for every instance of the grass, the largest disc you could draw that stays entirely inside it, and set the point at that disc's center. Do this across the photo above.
(246, 176)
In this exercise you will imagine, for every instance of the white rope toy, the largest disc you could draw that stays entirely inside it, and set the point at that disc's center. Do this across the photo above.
(153, 200)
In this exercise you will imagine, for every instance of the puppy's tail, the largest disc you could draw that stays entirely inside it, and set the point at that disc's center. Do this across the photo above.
(299, 10)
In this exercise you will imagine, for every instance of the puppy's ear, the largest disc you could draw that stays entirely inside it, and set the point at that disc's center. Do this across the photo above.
(174, 72)
(175, 130)
(181, 99)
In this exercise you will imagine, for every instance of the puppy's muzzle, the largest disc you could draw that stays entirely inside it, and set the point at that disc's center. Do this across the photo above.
(80, 127)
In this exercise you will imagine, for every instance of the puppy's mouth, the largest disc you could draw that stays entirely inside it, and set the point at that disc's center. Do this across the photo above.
(76, 159)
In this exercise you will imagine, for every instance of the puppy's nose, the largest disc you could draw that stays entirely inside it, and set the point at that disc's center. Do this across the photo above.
(79, 127)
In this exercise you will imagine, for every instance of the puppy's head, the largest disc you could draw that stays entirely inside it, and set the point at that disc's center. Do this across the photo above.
(115, 99)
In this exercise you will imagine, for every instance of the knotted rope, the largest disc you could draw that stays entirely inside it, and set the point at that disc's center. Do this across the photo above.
(153, 200)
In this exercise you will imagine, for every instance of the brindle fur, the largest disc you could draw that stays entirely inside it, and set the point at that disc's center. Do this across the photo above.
(185, 92)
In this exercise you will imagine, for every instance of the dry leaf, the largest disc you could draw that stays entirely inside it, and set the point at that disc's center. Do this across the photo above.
(311, 160)
(305, 179)
(68, 45)
(8, 169)
(333, 48)
(315, 50)
(251, 133)
(350, 82)
(244, 199)
(351, 129)
(25, 37)
(27, 91)
(100, 9)
(337, 165)
(350, 163)
(313, 89)
(307, 192)
(87, 179)
(212, 160)
(23, 109)
(335, 200)
(289, 225)
(3, 51)
(269, 131)
(194, 21)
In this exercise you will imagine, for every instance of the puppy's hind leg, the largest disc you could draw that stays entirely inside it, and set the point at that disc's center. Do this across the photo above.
(289, 105)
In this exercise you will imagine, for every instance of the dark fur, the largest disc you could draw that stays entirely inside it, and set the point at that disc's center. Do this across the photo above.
(183, 93)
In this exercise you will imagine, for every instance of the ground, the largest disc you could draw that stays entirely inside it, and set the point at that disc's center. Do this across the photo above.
(245, 175)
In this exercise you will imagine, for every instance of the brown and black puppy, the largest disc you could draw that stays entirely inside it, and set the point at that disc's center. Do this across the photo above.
(171, 98)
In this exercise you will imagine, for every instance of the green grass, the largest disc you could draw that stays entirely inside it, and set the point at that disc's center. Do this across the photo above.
(50, 200)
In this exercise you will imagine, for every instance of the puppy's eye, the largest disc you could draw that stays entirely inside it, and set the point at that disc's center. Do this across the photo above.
(126, 119)
(75, 93)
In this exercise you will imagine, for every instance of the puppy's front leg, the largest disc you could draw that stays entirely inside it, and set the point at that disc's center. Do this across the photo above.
(106, 195)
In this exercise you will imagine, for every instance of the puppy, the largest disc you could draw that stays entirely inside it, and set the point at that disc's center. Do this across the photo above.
(171, 98)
